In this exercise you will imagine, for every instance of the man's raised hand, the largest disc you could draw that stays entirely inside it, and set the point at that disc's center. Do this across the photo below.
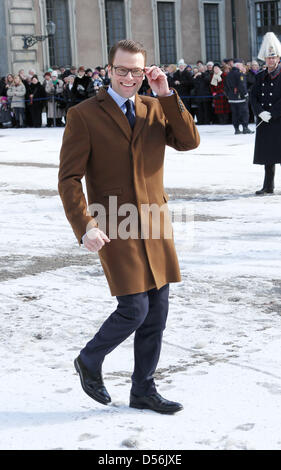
(157, 81)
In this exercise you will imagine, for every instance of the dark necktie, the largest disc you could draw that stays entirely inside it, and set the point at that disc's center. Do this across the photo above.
(129, 113)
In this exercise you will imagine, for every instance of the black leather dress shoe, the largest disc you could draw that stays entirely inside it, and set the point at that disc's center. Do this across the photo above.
(262, 191)
(92, 384)
(246, 130)
(154, 402)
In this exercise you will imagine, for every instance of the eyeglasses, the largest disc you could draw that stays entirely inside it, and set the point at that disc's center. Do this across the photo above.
(123, 71)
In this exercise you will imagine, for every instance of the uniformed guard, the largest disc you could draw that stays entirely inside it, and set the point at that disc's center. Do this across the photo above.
(237, 94)
(266, 102)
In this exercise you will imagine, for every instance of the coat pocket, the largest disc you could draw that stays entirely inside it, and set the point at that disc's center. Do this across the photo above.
(112, 192)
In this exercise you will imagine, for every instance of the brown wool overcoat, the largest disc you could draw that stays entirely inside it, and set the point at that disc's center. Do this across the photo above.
(98, 143)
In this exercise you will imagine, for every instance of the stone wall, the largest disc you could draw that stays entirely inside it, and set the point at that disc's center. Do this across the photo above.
(22, 20)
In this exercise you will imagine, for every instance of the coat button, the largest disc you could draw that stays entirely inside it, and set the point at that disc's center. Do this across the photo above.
(270, 94)
(262, 104)
(271, 84)
(262, 94)
(269, 104)
(262, 84)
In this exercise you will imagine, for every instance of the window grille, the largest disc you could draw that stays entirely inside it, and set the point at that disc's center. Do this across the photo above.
(212, 31)
(268, 18)
(59, 44)
(115, 21)
(167, 32)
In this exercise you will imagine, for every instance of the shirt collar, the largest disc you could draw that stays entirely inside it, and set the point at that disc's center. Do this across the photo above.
(117, 98)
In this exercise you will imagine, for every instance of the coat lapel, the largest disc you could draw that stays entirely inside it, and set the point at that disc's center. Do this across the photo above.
(110, 107)
(141, 112)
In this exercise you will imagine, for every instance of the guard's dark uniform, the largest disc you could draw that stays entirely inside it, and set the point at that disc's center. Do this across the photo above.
(266, 96)
(237, 94)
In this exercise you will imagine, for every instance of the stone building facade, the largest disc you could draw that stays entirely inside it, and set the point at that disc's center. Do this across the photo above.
(169, 29)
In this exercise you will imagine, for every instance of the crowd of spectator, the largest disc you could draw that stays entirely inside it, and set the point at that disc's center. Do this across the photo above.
(23, 97)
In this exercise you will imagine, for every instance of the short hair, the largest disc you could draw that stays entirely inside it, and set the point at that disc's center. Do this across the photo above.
(126, 45)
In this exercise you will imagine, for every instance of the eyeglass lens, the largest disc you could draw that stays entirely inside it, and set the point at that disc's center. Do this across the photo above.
(123, 71)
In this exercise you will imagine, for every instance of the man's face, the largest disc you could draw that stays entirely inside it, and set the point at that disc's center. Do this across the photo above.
(272, 62)
(126, 86)
(171, 69)
(239, 66)
(255, 66)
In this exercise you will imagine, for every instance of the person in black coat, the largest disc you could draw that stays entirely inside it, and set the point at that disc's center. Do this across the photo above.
(80, 85)
(251, 74)
(95, 84)
(183, 83)
(104, 76)
(266, 103)
(36, 101)
(68, 94)
(3, 89)
(237, 94)
(201, 85)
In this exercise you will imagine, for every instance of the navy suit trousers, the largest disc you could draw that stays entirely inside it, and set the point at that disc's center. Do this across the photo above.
(240, 114)
(145, 314)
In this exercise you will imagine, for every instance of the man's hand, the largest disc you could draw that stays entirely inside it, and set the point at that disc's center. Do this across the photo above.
(95, 239)
(157, 81)
(265, 116)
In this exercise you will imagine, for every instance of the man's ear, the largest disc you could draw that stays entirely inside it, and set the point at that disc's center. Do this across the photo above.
(109, 71)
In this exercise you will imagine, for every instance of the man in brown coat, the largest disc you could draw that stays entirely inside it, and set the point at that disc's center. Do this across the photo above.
(117, 141)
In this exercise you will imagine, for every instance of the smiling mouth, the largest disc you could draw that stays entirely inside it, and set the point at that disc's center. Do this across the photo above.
(127, 85)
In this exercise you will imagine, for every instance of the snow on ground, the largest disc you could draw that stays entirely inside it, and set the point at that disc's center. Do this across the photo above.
(221, 349)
